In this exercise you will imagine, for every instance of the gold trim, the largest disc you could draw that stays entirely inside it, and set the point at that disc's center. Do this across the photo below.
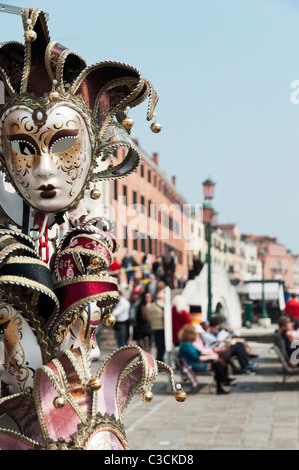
(25, 282)
(38, 404)
(5, 252)
(48, 60)
(26, 260)
(85, 278)
(59, 329)
(23, 303)
(21, 437)
(17, 235)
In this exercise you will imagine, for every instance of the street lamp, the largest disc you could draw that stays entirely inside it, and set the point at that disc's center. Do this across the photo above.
(210, 221)
(264, 313)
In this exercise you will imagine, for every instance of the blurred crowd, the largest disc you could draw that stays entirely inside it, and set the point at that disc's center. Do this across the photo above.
(161, 268)
(140, 320)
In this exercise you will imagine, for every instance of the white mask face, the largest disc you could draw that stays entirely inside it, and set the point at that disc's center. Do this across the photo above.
(49, 163)
(83, 330)
(20, 352)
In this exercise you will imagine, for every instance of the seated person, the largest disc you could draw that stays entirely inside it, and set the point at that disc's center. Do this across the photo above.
(284, 338)
(227, 345)
(200, 362)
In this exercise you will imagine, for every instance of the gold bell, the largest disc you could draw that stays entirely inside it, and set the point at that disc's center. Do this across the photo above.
(95, 384)
(30, 35)
(59, 402)
(95, 262)
(109, 320)
(54, 96)
(95, 194)
(147, 396)
(180, 395)
(127, 121)
(156, 127)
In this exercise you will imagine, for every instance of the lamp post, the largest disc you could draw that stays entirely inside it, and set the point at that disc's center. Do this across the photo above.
(264, 313)
(210, 221)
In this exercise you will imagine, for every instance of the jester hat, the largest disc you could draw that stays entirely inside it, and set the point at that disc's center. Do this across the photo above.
(42, 74)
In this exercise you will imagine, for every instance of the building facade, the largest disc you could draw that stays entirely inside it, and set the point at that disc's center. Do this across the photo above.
(277, 260)
(151, 216)
(295, 269)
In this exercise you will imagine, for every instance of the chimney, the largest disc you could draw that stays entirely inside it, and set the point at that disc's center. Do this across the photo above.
(173, 180)
(156, 158)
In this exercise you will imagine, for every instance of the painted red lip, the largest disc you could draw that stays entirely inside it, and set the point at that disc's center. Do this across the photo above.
(47, 192)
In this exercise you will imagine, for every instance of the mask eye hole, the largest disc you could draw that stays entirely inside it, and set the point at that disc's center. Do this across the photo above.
(63, 140)
(22, 147)
(63, 144)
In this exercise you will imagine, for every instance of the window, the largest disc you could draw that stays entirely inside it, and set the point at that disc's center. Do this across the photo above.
(125, 236)
(149, 176)
(134, 197)
(156, 246)
(135, 239)
(142, 202)
(115, 190)
(150, 245)
(142, 170)
(125, 194)
(176, 227)
(143, 242)
(149, 207)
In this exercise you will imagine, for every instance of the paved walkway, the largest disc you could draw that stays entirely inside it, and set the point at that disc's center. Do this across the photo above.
(261, 412)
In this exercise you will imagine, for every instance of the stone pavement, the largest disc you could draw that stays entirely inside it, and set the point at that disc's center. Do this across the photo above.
(260, 413)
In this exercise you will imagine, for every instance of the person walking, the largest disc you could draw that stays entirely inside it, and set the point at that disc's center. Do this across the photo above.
(153, 311)
(128, 263)
(121, 328)
(141, 326)
(180, 317)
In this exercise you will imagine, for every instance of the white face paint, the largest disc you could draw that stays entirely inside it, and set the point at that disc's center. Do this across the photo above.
(49, 163)
(21, 354)
(83, 331)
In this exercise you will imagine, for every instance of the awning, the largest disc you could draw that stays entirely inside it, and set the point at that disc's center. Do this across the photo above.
(273, 292)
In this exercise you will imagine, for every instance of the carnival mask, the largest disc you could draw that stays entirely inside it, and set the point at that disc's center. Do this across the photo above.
(20, 353)
(84, 329)
(48, 163)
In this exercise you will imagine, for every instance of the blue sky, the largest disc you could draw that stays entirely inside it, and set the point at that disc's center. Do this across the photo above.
(223, 71)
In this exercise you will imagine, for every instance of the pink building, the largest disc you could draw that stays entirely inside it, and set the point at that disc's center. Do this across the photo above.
(278, 262)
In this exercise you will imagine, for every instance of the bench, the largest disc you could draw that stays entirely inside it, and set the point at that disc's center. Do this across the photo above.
(287, 370)
(188, 376)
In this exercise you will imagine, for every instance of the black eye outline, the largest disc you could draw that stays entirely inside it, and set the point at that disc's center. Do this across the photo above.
(3, 327)
(25, 139)
(22, 147)
(64, 134)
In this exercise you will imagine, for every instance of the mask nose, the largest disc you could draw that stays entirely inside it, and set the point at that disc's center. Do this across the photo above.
(43, 167)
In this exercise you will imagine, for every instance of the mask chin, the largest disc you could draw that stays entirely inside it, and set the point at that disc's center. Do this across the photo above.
(16, 210)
